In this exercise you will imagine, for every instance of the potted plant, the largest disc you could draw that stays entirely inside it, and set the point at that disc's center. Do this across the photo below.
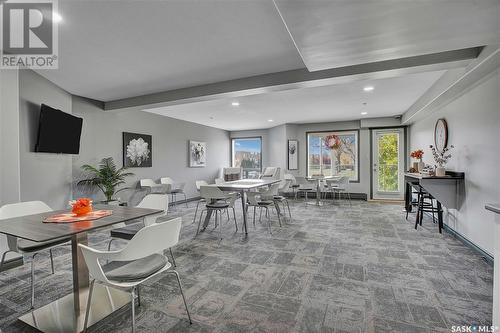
(441, 158)
(418, 154)
(106, 176)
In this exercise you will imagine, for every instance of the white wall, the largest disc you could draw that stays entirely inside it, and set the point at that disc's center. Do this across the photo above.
(474, 129)
(102, 137)
(44, 176)
(9, 144)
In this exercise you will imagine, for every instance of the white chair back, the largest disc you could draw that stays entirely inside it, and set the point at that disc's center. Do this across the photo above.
(21, 209)
(166, 180)
(290, 177)
(154, 201)
(284, 185)
(271, 173)
(211, 193)
(147, 241)
(343, 183)
(200, 183)
(147, 182)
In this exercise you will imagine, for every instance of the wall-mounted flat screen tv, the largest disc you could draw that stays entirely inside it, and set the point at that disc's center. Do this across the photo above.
(58, 132)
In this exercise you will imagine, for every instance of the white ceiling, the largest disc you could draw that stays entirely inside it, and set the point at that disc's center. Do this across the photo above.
(340, 102)
(116, 49)
(332, 34)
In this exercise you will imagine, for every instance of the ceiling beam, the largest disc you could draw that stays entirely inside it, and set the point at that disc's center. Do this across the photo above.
(453, 83)
(299, 78)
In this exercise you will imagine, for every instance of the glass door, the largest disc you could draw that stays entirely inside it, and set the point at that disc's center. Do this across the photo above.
(388, 164)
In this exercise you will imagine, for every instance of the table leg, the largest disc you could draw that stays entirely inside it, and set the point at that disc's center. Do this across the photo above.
(318, 193)
(408, 197)
(244, 207)
(80, 271)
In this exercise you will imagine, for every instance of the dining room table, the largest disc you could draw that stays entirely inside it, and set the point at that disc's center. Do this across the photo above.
(318, 180)
(66, 314)
(242, 186)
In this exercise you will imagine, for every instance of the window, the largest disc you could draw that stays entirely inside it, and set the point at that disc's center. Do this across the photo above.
(333, 153)
(247, 153)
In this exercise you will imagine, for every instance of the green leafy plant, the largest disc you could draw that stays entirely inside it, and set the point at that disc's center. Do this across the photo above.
(106, 176)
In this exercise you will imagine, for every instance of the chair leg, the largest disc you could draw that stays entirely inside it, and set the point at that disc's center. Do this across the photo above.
(260, 215)
(33, 281)
(139, 295)
(220, 226)
(268, 221)
(199, 224)
(235, 223)
(51, 260)
(288, 206)
(182, 293)
(89, 303)
(3, 258)
(196, 211)
(173, 260)
(227, 213)
(277, 213)
(132, 303)
(254, 210)
(109, 244)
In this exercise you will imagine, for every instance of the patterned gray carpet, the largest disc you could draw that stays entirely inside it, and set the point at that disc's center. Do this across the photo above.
(334, 268)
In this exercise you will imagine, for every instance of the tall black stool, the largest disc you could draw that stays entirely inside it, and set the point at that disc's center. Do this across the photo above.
(425, 204)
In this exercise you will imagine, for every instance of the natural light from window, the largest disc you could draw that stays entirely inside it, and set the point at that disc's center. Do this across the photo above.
(247, 153)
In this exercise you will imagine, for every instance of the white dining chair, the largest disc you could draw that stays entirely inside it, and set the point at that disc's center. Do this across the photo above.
(26, 247)
(199, 183)
(151, 201)
(264, 200)
(174, 189)
(217, 201)
(139, 261)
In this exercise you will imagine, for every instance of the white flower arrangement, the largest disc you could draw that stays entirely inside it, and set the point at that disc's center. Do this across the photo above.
(441, 157)
(138, 151)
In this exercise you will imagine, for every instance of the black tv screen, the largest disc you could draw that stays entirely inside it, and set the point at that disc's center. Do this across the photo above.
(58, 132)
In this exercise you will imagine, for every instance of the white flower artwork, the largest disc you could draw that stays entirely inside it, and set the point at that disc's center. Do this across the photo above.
(137, 150)
(197, 154)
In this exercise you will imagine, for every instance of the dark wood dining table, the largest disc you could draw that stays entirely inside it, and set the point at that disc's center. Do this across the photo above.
(241, 186)
(67, 313)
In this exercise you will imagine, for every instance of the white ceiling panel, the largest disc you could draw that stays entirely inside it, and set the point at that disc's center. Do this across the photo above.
(389, 97)
(115, 49)
(335, 33)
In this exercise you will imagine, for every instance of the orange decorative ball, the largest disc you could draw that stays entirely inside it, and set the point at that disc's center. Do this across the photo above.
(81, 206)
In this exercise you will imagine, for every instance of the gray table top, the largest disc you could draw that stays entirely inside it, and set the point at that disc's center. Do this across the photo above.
(32, 228)
(245, 184)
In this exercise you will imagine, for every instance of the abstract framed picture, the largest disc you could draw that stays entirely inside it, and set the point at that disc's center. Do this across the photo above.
(137, 150)
(197, 154)
(293, 154)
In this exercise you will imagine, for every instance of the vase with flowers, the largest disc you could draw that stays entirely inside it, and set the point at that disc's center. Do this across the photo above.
(81, 206)
(418, 154)
(441, 157)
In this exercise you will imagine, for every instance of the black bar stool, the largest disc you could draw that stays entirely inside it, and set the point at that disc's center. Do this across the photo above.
(425, 204)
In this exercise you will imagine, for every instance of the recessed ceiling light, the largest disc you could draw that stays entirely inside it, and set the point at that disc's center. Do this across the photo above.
(368, 88)
(235, 103)
(270, 120)
(364, 113)
(56, 17)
